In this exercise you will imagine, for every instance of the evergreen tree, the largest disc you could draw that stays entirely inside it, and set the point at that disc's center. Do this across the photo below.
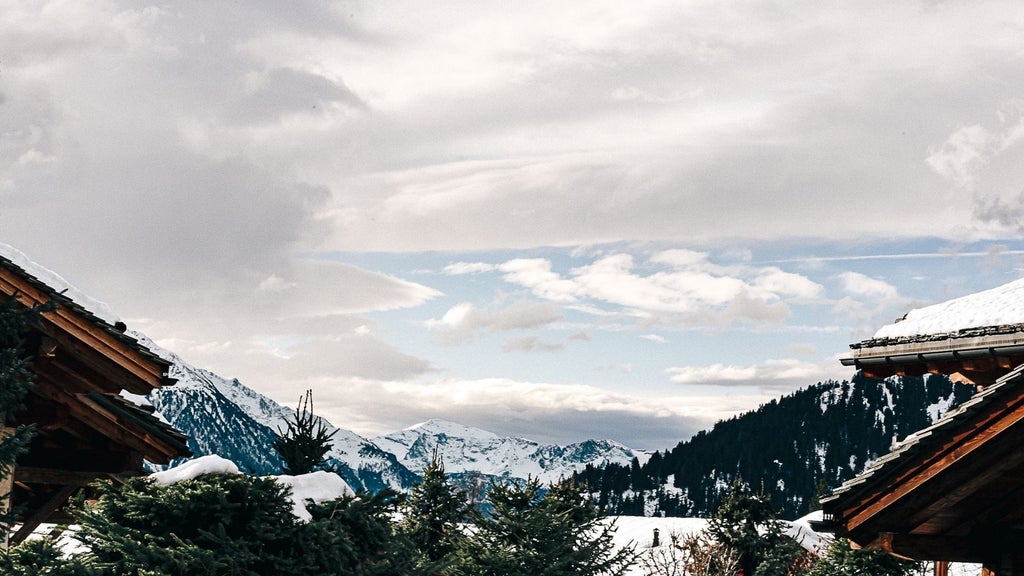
(532, 534)
(44, 557)
(237, 525)
(16, 379)
(212, 525)
(355, 535)
(747, 523)
(305, 441)
(841, 559)
(434, 513)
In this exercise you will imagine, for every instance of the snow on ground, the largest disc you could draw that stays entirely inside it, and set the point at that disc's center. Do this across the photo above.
(639, 532)
(58, 283)
(995, 307)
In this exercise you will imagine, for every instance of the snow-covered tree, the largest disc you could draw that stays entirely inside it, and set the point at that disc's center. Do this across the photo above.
(238, 525)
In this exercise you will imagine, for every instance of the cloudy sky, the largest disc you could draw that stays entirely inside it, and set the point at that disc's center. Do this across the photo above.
(555, 220)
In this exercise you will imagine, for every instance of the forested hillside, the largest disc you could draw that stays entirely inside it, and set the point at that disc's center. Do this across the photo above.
(795, 447)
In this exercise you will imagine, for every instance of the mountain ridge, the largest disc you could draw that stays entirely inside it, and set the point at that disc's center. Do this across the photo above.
(223, 416)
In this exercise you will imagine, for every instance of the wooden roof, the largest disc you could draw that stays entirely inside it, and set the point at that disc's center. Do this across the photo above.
(85, 429)
(948, 492)
(977, 355)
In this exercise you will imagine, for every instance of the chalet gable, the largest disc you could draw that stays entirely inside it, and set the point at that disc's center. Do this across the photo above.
(86, 430)
(950, 492)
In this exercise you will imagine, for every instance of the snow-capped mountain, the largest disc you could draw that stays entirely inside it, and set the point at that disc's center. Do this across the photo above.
(464, 449)
(224, 417)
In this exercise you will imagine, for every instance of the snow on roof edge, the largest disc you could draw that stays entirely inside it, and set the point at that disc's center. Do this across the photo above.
(57, 282)
(999, 306)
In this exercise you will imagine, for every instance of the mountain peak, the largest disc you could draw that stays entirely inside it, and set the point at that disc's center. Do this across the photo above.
(447, 427)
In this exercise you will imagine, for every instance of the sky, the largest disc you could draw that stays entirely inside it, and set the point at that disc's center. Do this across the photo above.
(560, 221)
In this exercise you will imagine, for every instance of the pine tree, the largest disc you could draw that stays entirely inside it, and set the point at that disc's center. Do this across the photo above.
(211, 525)
(841, 559)
(747, 523)
(44, 557)
(530, 534)
(434, 514)
(16, 379)
(355, 535)
(305, 441)
(237, 525)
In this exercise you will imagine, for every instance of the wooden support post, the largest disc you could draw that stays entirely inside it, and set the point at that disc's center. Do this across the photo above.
(941, 568)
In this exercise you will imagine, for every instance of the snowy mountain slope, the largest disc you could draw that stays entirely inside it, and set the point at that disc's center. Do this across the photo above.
(225, 417)
(793, 447)
(464, 449)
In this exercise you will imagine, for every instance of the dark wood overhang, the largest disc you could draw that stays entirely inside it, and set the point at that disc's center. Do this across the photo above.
(948, 492)
(973, 355)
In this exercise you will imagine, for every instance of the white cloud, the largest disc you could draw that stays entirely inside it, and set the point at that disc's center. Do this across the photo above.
(783, 374)
(531, 344)
(788, 284)
(464, 321)
(679, 257)
(536, 274)
(861, 285)
(460, 268)
(963, 154)
(655, 338)
(689, 291)
(545, 412)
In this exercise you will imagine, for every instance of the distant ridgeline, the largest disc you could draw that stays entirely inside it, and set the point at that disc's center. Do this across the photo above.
(795, 448)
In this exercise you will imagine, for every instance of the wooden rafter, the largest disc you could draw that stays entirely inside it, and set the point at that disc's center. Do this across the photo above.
(84, 338)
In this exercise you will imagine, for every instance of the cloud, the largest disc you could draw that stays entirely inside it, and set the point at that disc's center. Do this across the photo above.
(460, 268)
(778, 375)
(531, 344)
(655, 338)
(536, 274)
(1007, 213)
(464, 321)
(963, 154)
(861, 285)
(545, 412)
(689, 290)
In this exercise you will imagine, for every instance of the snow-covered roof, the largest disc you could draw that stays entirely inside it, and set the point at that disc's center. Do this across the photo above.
(999, 306)
(58, 284)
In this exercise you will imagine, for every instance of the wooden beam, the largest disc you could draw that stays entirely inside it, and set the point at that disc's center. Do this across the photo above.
(57, 500)
(56, 476)
(922, 547)
(72, 330)
(998, 547)
(72, 395)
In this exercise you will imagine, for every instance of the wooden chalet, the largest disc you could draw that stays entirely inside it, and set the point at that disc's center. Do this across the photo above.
(85, 429)
(955, 490)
